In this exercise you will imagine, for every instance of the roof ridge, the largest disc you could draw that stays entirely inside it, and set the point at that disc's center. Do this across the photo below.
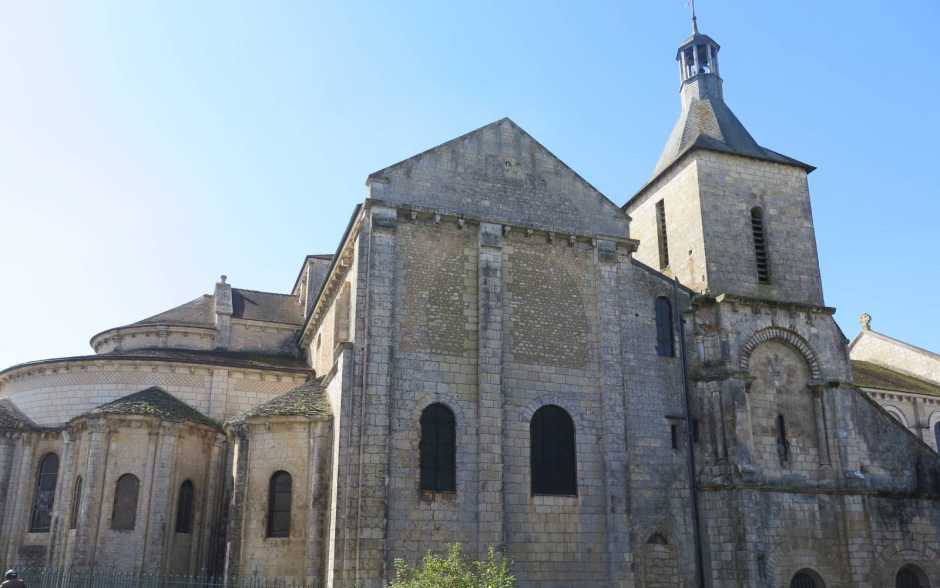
(262, 292)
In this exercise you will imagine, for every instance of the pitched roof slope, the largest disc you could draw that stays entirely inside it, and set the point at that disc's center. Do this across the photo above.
(199, 312)
(307, 400)
(266, 306)
(153, 402)
(870, 375)
(708, 123)
(12, 418)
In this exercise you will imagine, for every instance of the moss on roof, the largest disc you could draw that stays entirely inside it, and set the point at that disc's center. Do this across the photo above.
(156, 403)
(870, 375)
(13, 419)
(307, 400)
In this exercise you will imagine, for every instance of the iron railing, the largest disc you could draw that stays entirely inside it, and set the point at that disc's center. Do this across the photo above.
(110, 578)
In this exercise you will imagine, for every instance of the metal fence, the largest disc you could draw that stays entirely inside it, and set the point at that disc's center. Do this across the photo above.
(101, 578)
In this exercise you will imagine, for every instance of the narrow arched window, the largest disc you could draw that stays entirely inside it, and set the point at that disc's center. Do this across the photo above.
(126, 491)
(760, 245)
(76, 503)
(936, 435)
(552, 452)
(664, 335)
(438, 449)
(46, 478)
(184, 508)
(806, 579)
(910, 576)
(783, 445)
(279, 503)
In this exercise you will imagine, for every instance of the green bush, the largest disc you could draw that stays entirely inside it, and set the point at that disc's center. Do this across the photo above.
(454, 572)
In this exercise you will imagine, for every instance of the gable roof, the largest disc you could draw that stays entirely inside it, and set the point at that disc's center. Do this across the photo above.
(307, 400)
(870, 375)
(196, 312)
(153, 402)
(500, 173)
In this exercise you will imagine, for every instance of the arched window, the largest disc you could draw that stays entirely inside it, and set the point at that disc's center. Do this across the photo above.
(806, 579)
(760, 245)
(552, 452)
(911, 576)
(124, 516)
(41, 519)
(783, 444)
(664, 331)
(936, 435)
(184, 508)
(76, 503)
(438, 449)
(279, 499)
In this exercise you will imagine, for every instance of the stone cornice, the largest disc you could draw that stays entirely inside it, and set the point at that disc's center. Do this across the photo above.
(134, 363)
(736, 300)
(157, 330)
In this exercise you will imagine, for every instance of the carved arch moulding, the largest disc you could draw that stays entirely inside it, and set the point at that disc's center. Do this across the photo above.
(784, 336)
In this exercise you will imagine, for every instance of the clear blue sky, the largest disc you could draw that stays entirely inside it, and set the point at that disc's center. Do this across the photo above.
(147, 147)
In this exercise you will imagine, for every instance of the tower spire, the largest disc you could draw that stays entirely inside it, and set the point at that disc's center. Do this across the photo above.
(694, 17)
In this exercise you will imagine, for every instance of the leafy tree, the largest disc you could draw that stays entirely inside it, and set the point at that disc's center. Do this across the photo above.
(454, 571)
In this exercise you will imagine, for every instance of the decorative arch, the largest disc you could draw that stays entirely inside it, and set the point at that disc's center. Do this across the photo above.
(897, 413)
(911, 576)
(784, 336)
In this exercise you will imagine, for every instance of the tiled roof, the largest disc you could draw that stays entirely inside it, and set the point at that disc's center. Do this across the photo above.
(266, 306)
(870, 375)
(307, 400)
(12, 418)
(200, 311)
(156, 403)
(708, 123)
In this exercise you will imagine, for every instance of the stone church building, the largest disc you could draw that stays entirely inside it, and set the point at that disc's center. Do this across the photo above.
(646, 395)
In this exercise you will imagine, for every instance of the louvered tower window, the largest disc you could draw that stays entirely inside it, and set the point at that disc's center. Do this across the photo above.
(438, 448)
(41, 519)
(661, 232)
(760, 245)
(552, 452)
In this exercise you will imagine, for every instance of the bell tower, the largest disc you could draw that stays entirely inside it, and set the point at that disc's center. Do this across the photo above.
(722, 213)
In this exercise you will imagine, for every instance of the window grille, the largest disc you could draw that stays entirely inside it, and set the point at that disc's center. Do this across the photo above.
(552, 452)
(438, 449)
(661, 232)
(279, 504)
(760, 245)
(41, 519)
(124, 516)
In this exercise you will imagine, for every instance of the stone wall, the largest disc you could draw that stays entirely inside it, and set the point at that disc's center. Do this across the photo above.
(56, 392)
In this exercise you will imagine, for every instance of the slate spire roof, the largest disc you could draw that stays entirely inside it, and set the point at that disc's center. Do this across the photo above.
(153, 402)
(706, 122)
